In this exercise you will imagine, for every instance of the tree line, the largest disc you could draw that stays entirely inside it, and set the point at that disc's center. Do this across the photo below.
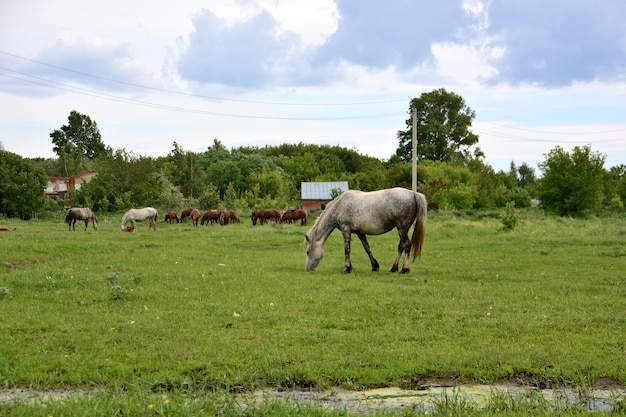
(451, 171)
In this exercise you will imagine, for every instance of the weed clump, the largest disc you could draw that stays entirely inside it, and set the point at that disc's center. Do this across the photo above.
(509, 220)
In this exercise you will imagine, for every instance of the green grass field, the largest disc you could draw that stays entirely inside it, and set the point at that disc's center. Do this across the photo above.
(231, 309)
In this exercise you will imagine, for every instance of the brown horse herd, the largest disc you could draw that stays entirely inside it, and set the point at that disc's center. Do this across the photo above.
(224, 217)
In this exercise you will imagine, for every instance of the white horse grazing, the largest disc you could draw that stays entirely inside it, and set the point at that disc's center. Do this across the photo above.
(370, 213)
(139, 215)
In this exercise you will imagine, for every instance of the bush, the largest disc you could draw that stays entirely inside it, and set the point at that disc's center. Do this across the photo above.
(460, 197)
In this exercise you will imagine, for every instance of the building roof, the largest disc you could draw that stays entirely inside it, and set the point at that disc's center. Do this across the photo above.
(321, 190)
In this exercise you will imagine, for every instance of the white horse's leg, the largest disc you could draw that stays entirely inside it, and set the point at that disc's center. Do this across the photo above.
(347, 265)
(366, 246)
(404, 246)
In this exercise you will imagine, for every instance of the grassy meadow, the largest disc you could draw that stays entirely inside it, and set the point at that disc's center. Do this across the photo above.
(230, 309)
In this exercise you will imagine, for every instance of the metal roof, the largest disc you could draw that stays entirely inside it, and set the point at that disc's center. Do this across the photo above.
(321, 190)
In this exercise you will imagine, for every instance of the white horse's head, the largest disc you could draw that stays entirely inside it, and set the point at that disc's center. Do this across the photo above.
(314, 251)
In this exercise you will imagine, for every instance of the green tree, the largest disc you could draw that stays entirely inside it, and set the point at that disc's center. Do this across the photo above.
(210, 198)
(526, 175)
(169, 198)
(443, 128)
(185, 171)
(22, 186)
(123, 181)
(617, 181)
(80, 139)
(572, 184)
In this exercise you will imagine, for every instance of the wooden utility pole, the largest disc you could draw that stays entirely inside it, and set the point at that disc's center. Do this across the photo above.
(414, 149)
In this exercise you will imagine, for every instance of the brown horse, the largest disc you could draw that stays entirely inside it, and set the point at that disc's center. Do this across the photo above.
(265, 216)
(171, 217)
(78, 213)
(211, 216)
(229, 216)
(295, 215)
(195, 215)
(185, 214)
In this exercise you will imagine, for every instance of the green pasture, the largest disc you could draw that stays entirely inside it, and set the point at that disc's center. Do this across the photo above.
(231, 309)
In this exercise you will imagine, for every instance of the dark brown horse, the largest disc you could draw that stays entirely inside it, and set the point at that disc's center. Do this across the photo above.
(171, 217)
(185, 214)
(290, 216)
(194, 213)
(265, 216)
(81, 213)
(211, 216)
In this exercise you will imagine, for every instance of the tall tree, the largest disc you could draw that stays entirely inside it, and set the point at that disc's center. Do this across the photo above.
(185, 171)
(443, 128)
(22, 185)
(572, 184)
(526, 175)
(76, 141)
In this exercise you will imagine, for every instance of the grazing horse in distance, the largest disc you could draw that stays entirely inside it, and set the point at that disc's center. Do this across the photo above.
(295, 215)
(264, 216)
(211, 216)
(171, 217)
(81, 213)
(229, 216)
(370, 213)
(185, 214)
(195, 215)
(139, 215)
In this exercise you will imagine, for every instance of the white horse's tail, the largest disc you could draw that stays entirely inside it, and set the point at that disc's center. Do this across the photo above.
(419, 231)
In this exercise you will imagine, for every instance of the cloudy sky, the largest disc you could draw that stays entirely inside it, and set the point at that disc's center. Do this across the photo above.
(538, 74)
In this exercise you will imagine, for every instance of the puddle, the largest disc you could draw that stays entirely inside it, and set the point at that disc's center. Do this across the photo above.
(397, 399)
(387, 399)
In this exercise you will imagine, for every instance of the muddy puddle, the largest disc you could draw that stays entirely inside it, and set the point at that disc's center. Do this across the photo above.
(389, 399)
(397, 399)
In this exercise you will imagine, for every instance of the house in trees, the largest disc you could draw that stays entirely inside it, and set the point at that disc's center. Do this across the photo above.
(315, 195)
(63, 187)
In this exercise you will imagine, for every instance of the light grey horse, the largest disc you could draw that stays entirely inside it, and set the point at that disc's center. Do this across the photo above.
(370, 213)
(81, 213)
(139, 215)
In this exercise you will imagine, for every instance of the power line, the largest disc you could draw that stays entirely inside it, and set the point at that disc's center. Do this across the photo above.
(182, 93)
(91, 93)
(547, 140)
(552, 132)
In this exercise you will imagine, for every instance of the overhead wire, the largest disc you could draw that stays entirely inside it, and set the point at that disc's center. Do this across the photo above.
(91, 93)
(546, 135)
(183, 93)
(33, 79)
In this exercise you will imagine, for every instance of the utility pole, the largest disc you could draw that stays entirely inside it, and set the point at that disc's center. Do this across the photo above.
(414, 149)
